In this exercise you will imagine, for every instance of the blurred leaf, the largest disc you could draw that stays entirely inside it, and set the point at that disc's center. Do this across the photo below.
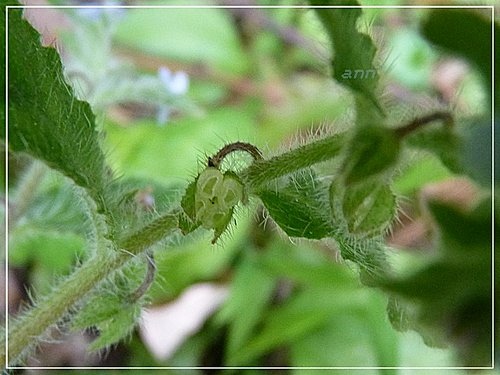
(418, 173)
(476, 155)
(146, 150)
(415, 59)
(295, 319)
(204, 36)
(443, 142)
(352, 338)
(469, 35)
(45, 253)
(193, 260)
(251, 290)
(353, 51)
(299, 207)
(53, 209)
(451, 308)
(54, 250)
(45, 118)
(372, 151)
(305, 265)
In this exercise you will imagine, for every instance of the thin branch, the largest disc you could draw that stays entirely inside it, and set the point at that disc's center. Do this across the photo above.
(418, 123)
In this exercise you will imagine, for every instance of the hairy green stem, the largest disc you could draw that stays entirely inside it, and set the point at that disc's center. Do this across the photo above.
(263, 171)
(31, 327)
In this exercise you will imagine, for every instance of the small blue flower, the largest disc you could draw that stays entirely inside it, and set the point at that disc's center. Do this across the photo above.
(175, 83)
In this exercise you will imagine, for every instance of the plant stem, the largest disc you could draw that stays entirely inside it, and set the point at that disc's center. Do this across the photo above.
(263, 171)
(418, 123)
(31, 327)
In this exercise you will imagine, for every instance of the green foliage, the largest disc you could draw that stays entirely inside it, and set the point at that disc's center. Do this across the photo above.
(245, 307)
(372, 151)
(341, 26)
(212, 24)
(311, 322)
(469, 35)
(299, 206)
(112, 309)
(367, 209)
(450, 307)
(45, 119)
(284, 299)
(444, 142)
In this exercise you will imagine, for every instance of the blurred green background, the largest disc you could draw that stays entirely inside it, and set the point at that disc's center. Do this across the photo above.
(255, 75)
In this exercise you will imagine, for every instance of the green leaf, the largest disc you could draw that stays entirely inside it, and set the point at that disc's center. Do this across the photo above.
(443, 142)
(100, 308)
(45, 253)
(139, 30)
(113, 308)
(45, 118)
(251, 290)
(305, 266)
(117, 328)
(422, 170)
(299, 207)
(452, 294)
(364, 328)
(372, 151)
(369, 254)
(352, 62)
(191, 261)
(369, 208)
(112, 297)
(300, 315)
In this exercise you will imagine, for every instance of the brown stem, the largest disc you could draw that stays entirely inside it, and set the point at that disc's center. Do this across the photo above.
(216, 160)
(148, 280)
(417, 123)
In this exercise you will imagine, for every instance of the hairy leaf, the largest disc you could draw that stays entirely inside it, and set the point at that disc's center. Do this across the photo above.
(115, 329)
(354, 51)
(45, 118)
(368, 208)
(372, 151)
(300, 207)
